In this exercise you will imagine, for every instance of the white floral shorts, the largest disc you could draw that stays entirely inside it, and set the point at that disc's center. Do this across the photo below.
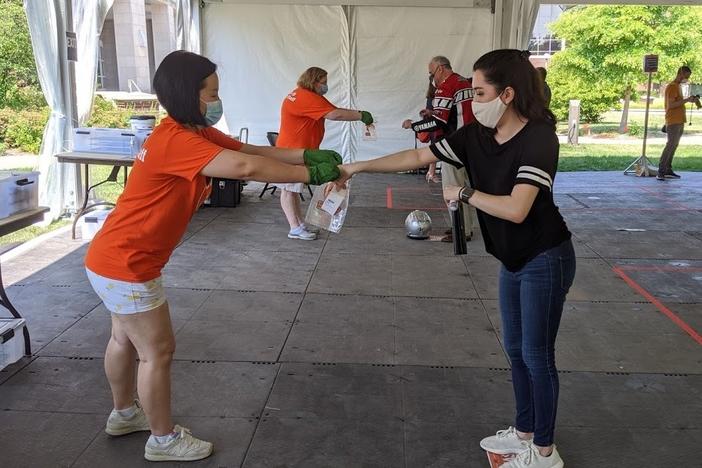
(122, 297)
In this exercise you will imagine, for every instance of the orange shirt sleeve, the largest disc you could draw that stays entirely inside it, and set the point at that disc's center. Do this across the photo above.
(219, 138)
(188, 153)
(312, 106)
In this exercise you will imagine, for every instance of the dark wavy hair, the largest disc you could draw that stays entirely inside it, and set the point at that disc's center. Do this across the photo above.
(511, 67)
(177, 83)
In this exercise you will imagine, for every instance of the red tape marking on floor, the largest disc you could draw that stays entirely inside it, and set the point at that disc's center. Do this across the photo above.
(659, 305)
(661, 268)
(388, 197)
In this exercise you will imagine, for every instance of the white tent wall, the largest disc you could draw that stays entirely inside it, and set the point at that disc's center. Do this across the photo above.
(394, 47)
(376, 58)
(261, 50)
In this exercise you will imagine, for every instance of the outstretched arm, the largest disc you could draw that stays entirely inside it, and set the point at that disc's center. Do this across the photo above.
(286, 155)
(402, 161)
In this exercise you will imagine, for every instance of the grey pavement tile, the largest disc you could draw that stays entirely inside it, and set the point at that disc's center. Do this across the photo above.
(625, 244)
(445, 332)
(312, 443)
(183, 303)
(374, 240)
(45, 439)
(671, 285)
(11, 369)
(629, 400)
(431, 277)
(231, 236)
(58, 385)
(447, 444)
(353, 329)
(230, 437)
(231, 340)
(455, 395)
(352, 274)
(249, 306)
(675, 352)
(192, 276)
(595, 447)
(602, 318)
(233, 389)
(484, 273)
(341, 391)
(261, 271)
(618, 337)
(691, 314)
(595, 281)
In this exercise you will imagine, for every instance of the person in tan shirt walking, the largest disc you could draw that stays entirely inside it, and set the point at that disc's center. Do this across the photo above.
(674, 121)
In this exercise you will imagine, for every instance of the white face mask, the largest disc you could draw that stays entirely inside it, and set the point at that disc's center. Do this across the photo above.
(489, 113)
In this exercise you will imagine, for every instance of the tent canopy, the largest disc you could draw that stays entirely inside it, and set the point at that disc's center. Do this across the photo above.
(375, 51)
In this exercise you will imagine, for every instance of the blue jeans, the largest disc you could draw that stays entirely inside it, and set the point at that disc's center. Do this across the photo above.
(531, 304)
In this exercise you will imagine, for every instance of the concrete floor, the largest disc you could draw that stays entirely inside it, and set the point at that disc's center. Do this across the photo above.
(367, 349)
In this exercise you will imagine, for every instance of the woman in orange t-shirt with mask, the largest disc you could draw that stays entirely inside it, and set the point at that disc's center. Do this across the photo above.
(169, 181)
(302, 117)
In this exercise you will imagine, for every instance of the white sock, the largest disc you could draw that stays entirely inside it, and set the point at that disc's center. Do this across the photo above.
(127, 413)
(164, 439)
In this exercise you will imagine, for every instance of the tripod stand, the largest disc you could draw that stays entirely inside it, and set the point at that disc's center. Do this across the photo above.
(642, 166)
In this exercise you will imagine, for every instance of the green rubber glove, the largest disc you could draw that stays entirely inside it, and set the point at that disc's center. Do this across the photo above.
(366, 117)
(323, 172)
(313, 157)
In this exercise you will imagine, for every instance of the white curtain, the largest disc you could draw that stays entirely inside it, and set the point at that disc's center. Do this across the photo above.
(376, 58)
(261, 50)
(395, 46)
(187, 18)
(59, 183)
(514, 21)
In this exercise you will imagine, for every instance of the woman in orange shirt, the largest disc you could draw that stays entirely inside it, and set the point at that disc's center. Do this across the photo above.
(302, 117)
(169, 181)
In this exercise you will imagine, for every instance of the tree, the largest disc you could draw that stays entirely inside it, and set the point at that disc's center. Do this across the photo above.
(605, 46)
(19, 84)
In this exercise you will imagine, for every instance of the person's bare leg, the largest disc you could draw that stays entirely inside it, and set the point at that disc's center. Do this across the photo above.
(431, 173)
(120, 367)
(290, 204)
(152, 335)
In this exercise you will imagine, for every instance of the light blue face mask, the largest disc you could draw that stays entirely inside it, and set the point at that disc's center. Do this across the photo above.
(323, 89)
(214, 111)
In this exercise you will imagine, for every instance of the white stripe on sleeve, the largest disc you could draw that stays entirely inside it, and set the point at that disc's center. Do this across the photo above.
(446, 150)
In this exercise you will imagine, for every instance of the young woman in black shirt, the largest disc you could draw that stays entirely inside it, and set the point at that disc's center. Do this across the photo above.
(511, 154)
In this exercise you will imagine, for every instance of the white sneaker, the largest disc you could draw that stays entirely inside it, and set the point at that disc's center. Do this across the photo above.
(504, 442)
(533, 459)
(118, 425)
(301, 234)
(184, 447)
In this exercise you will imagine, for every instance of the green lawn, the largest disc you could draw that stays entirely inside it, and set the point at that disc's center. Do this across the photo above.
(108, 192)
(617, 157)
(30, 233)
(610, 125)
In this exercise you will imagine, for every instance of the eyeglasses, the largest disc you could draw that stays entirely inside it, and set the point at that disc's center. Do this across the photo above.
(431, 74)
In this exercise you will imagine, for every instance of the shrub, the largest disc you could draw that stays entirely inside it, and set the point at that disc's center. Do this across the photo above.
(107, 115)
(635, 129)
(23, 129)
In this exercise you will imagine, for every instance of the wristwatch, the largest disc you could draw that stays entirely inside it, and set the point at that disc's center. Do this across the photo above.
(465, 193)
